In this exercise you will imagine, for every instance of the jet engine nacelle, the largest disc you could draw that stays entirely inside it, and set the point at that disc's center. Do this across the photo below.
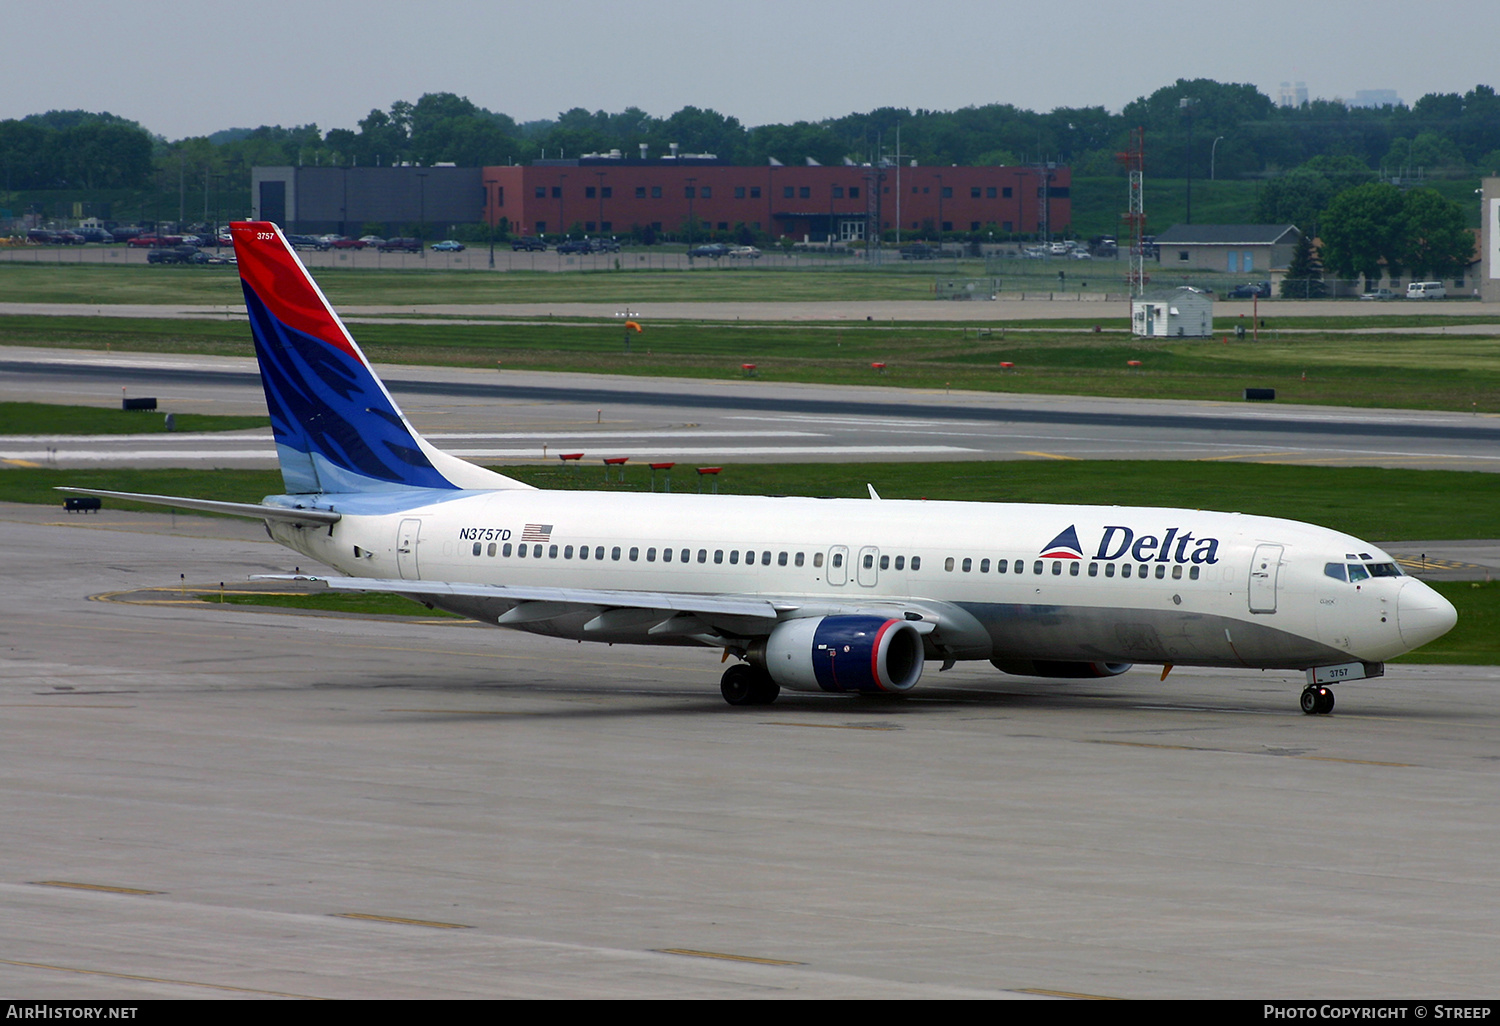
(1054, 668)
(844, 653)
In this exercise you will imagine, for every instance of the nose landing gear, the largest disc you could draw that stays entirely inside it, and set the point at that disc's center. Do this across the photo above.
(1317, 701)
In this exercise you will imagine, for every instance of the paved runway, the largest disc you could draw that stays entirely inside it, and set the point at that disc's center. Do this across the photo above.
(207, 801)
(518, 416)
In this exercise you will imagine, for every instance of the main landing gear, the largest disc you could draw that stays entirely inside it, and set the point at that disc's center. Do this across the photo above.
(743, 684)
(1317, 701)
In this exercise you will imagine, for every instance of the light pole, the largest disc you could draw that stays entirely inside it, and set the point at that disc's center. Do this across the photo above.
(690, 195)
(1213, 153)
(600, 176)
(422, 214)
(1187, 103)
(490, 187)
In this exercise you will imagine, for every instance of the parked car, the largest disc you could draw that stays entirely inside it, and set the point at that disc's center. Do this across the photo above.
(918, 251)
(744, 253)
(604, 245)
(372, 240)
(573, 246)
(343, 242)
(1426, 290)
(1377, 295)
(95, 235)
(448, 246)
(177, 255)
(712, 250)
(528, 243)
(307, 242)
(401, 245)
(1251, 290)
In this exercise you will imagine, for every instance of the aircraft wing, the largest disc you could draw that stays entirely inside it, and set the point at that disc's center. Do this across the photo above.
(654, 613)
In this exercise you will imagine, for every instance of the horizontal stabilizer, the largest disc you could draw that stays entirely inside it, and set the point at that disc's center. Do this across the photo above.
(236, 509)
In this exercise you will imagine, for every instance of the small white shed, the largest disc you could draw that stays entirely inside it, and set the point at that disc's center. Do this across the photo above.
(1172, 313)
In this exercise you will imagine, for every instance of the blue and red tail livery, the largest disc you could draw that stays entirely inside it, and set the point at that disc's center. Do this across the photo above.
(337, 429)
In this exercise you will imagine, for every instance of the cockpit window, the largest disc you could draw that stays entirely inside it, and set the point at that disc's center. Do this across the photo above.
(1384, 570)
(1357, 573)
(1335, 570)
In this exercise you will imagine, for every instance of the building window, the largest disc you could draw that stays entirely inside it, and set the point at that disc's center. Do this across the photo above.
(656, 192)
(608, 191)
(854, 192)
(588, 226)
(541, 192)
(805, 192)
(973, 226)
(755, 192)
(640, 192)
(787, 192)
(947, 226)
(708, 192)
(1006, 192)
(541, 227)
(973, 192)
(1182, 255)
(690, 192)
(723, 226)
(989, 192)
(838, 192)
(1007, 226)
(557, 192)
(589, 192)
(739, 192)
(947, 192)
(606, 226)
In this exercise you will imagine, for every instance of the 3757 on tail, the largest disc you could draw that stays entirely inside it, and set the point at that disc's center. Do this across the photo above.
(831, 595)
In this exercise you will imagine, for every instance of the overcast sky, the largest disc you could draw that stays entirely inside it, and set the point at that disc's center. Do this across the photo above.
(190, 67)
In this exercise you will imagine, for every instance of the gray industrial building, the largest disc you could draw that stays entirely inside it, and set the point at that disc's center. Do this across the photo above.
(320, 200)
(1489, 235)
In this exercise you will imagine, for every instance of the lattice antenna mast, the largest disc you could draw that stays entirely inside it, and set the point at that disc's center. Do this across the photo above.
(1134, 160)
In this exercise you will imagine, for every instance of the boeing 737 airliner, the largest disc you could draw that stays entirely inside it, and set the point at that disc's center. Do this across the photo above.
(834, 595)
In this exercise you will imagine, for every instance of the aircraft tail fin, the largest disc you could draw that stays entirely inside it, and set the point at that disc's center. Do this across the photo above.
(336, 427)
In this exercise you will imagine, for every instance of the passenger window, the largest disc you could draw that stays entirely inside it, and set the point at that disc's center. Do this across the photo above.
(703, 555)
(885, 562)
(838, 559)
(1002, 565)
(1143, 570)
(635, 553)
(781, 559)
(520, 552)
(599, 552)
(916, 563)
(650, 554)
(1073, 569)
(869, 561)
(1124, 569)
(1192, 573)
(682, 557)
(1109, 569)
(666, 555)
(583, 552)
(765, 557)
(1093, 569)
(491, 550)
(968, 564)
(900, 562)
(798, 559)
(948, 564)
(1057, 568)
(718, 555)
(734, 557)
(1177, 571)
(984, 566)
(614, 553)
(1036, 567)
(477, 548)
(536, 552)
(817, 559)
(506, 550)
(552, 552)
(568, 552)
(1161, 572)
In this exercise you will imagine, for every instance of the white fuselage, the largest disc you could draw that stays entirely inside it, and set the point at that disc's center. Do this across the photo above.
(1007, 581)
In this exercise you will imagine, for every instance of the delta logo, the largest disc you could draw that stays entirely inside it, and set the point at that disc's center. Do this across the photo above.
(1120, 542)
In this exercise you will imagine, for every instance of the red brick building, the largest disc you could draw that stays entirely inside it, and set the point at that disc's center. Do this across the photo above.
(607, 195)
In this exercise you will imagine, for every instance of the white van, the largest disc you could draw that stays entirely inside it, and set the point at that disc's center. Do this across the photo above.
(1426, 290)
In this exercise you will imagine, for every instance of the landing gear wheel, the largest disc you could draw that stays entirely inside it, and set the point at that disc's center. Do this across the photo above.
(744, 685)
(1317, 701)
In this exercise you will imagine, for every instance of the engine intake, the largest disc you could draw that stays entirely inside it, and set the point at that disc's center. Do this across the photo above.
(844, 653)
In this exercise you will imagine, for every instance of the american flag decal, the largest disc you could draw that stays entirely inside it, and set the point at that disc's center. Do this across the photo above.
(537, 533)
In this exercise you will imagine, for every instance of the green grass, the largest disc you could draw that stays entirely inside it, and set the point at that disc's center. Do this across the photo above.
(367, 604)
(1367, 502)
(1442, 371)
(49, 419)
